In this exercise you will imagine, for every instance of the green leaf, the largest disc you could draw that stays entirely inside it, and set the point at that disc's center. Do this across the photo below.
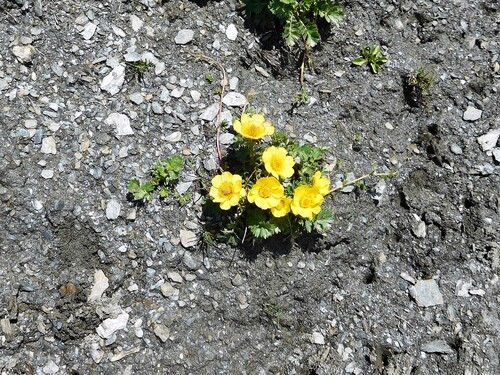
(263, 230)
(359, 61)
(164, 192)
(291, 32)
(323, 221)
(375, 67)
(331, 13)
(134, 185)
(309, 32)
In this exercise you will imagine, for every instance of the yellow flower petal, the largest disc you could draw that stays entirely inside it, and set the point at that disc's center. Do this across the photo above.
(283, 207)
(266, 193)
(227, 190)
(306, 202)
(277, 162)
(253, 126)
(322, 184)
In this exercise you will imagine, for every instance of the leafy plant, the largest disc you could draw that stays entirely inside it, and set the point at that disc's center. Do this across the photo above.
(373, 56)
(137, 69)
(165, 175)
(417, 84)
(299, 19)
(271, 185)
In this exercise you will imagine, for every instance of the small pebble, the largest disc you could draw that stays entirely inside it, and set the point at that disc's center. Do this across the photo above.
(184, 36)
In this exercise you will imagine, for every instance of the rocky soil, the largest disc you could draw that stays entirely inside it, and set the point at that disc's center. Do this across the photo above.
(406, 282)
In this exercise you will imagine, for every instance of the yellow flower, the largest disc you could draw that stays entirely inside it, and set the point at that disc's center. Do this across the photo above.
(306, 202)
(322, 184)
(226, 189)
(253, 127)
(283, 207)
(277, 162)
(266, 193)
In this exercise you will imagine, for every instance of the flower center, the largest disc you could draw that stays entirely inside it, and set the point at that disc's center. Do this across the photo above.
(226, 190)
(277, 163)
(306, 202)
(252, 130)
(265, 192)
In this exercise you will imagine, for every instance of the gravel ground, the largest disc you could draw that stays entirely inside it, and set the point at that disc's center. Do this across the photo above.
(405, 283)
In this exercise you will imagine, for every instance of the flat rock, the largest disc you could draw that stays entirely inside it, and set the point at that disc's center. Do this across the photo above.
(210, 113)
(317, 338)
(426, 293)
(188, 238)
(101, 283)
(113, 82)
(437, 346)
(489, 140)
(234, 99)
(109, 326)
(48, 146)
(113, 209)
(184, 36)
(136, 22)
(168, 290)
(174, 137)
(472, 114)
(89, 31)
(47, 173)
(231, 32)
(121, 122)
(24, 54)
(162, 332)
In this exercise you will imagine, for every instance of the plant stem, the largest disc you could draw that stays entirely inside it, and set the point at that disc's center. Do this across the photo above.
(371, 174)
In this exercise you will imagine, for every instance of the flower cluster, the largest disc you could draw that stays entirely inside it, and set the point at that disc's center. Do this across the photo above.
(274, 179)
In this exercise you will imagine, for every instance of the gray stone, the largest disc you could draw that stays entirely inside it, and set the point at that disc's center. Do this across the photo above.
(113, 82)
(188, 238)
(426, 293)
(113, 209)
(174, 137)
(24, 54)
(175, 277)
(184, 36)
(89, 31)
(237, 280)
(472, 114)
(167, 290)
(162, 332)
(210, 113)
(317, 338)
(100, 285)
(437, 346)
(489, 140)
(231, 32)
(109, 326)
(234, 99)
(136, 22)
(496, 154)
(121, 122)
(48, 146)
(47, 173)
(190, 262)
(137, 98)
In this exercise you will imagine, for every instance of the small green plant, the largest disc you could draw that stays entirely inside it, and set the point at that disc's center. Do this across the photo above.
(417, 84)
(299, 19)
(210, 77)
(165, 174)
(273, 311)
(302, 97)
(373, 56)
(270, 186)
(137, 69)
